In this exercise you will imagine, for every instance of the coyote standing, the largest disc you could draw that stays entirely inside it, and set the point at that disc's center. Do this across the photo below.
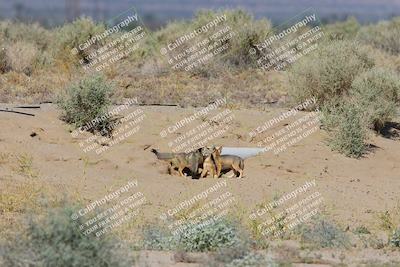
(190, 160)
(208, 167)
(227, 163)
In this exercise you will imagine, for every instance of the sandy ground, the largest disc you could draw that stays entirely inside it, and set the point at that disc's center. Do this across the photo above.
(354, 191)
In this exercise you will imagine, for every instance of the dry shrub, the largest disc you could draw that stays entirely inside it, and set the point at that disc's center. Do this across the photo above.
(24, 196)
(384, 59)
(21, 57)
(328, 72)
(71, 35)
(377, 92)
(343, 30)
(385, 35)
(248, 33)
(3, 60)
(12, 32)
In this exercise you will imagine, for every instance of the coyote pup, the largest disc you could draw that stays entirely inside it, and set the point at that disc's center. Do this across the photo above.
(227, 163)
(190, 160)
(208, 167)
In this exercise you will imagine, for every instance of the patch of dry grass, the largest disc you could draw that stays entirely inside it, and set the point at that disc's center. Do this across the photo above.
(21, 56)
(21, 198)
(24, 166)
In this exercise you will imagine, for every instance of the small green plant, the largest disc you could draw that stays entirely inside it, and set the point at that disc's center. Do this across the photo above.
(362, 230)
(395, 238)
(25, 165)
(386, 221)
(85, 104)
(347, 128)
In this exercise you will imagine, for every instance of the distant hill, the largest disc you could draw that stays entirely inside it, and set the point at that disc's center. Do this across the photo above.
(156, 12)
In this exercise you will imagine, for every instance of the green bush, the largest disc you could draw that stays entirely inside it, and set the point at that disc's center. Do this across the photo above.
(377, 91)
(328, 72)
(157, 238)
(385, 35)
(85, 101)
(321, 233)
(346, 125)
(395, 238)
(57, 241)
(209, 237)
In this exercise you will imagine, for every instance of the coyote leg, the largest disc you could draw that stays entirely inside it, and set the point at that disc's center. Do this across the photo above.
(219, 167)
(212, 172)
(180, 170)
(203, 173)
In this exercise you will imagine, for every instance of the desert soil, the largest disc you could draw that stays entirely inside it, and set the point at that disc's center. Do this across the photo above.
(355, 191)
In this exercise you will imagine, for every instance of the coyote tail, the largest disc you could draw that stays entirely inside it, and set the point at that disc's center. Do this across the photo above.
(163, 155)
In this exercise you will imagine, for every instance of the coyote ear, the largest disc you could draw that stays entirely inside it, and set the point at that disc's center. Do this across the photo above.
(219, 148)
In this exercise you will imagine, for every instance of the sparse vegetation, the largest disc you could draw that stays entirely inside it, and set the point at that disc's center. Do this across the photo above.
(21, 57)
(56, 241)
(321, 233)
(395, 238)
(344, 30)
(377, 93)
(75, 34)
(386, 221)
(198, 238)
(328, 73)
(385, 35)
(25, 166)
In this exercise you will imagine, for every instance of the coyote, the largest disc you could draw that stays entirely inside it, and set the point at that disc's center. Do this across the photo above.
(191, 160)
(227, 162)
(208, 167)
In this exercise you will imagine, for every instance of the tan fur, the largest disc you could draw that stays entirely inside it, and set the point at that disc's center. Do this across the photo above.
(190, 160)
(227, 162)
(208, 167)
